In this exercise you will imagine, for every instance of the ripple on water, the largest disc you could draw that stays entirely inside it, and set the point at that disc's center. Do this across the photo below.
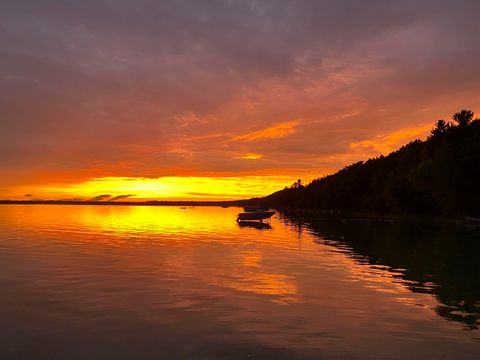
(101, 277)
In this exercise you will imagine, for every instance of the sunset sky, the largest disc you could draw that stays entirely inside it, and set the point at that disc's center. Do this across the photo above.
(220, 99)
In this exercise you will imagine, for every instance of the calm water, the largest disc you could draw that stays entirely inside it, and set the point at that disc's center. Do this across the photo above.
(111, 282)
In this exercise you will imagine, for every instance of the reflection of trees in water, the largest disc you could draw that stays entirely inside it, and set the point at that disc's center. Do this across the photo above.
(443, 260)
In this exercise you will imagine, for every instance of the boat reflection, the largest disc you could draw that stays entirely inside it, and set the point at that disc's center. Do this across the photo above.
(254, 224)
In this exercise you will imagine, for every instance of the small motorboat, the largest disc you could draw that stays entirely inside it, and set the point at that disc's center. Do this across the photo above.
(260, 214)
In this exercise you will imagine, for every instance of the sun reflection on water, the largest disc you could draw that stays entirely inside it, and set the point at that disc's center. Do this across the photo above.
(179, 229)
(282, 284)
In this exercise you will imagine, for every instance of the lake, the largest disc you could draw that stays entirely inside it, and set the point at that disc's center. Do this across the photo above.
(141, 282)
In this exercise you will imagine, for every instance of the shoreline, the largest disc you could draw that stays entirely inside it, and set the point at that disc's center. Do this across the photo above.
(370, 217)
(225, 203)
(306, 214)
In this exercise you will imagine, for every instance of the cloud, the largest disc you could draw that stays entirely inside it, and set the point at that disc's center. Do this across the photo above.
(101, 197)
(249, 156)
(384, 144)
(120, 197)
(273, 132)
(149, 89)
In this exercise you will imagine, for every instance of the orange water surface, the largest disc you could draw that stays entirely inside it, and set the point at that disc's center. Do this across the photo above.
(124, 282)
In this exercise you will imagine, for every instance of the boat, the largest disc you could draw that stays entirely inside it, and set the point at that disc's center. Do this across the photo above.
(260, 214)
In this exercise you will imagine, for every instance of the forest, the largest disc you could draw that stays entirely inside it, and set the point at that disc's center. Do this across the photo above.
(439, 176)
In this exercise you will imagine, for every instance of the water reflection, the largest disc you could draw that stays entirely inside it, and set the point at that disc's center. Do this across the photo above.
(438, 259)
(255, 225)
(158, 282)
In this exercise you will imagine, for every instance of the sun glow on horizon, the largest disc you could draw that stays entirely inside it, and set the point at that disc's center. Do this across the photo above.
(168, 188)
(208, 187)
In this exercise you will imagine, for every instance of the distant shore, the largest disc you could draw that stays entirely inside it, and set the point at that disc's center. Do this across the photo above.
(307, 214)
(132, 203)
(367, 217)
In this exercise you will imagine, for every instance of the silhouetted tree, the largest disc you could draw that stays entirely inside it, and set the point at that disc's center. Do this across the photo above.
(440, 127)
(436, 176)
(297, 184)
(463, 117)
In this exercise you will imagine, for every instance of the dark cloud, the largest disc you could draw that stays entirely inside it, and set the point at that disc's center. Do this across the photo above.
(101, 197)
(120, 197)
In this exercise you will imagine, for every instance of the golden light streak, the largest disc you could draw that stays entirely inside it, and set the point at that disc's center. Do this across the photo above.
(386, 143)
(277, 131)
(250, 156)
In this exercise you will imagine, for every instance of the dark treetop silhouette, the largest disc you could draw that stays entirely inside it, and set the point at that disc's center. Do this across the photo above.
(438, 176)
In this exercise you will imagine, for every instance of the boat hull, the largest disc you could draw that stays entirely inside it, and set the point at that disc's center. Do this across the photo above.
(255, 215)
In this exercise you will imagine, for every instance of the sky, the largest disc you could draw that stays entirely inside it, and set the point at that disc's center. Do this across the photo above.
(220, 99)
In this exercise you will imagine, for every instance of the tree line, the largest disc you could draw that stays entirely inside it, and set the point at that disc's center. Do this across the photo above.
(438, 176)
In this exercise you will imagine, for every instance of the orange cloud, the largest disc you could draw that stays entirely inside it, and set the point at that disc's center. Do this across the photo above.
(386, 143)
(249, 156)
(273, 132)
